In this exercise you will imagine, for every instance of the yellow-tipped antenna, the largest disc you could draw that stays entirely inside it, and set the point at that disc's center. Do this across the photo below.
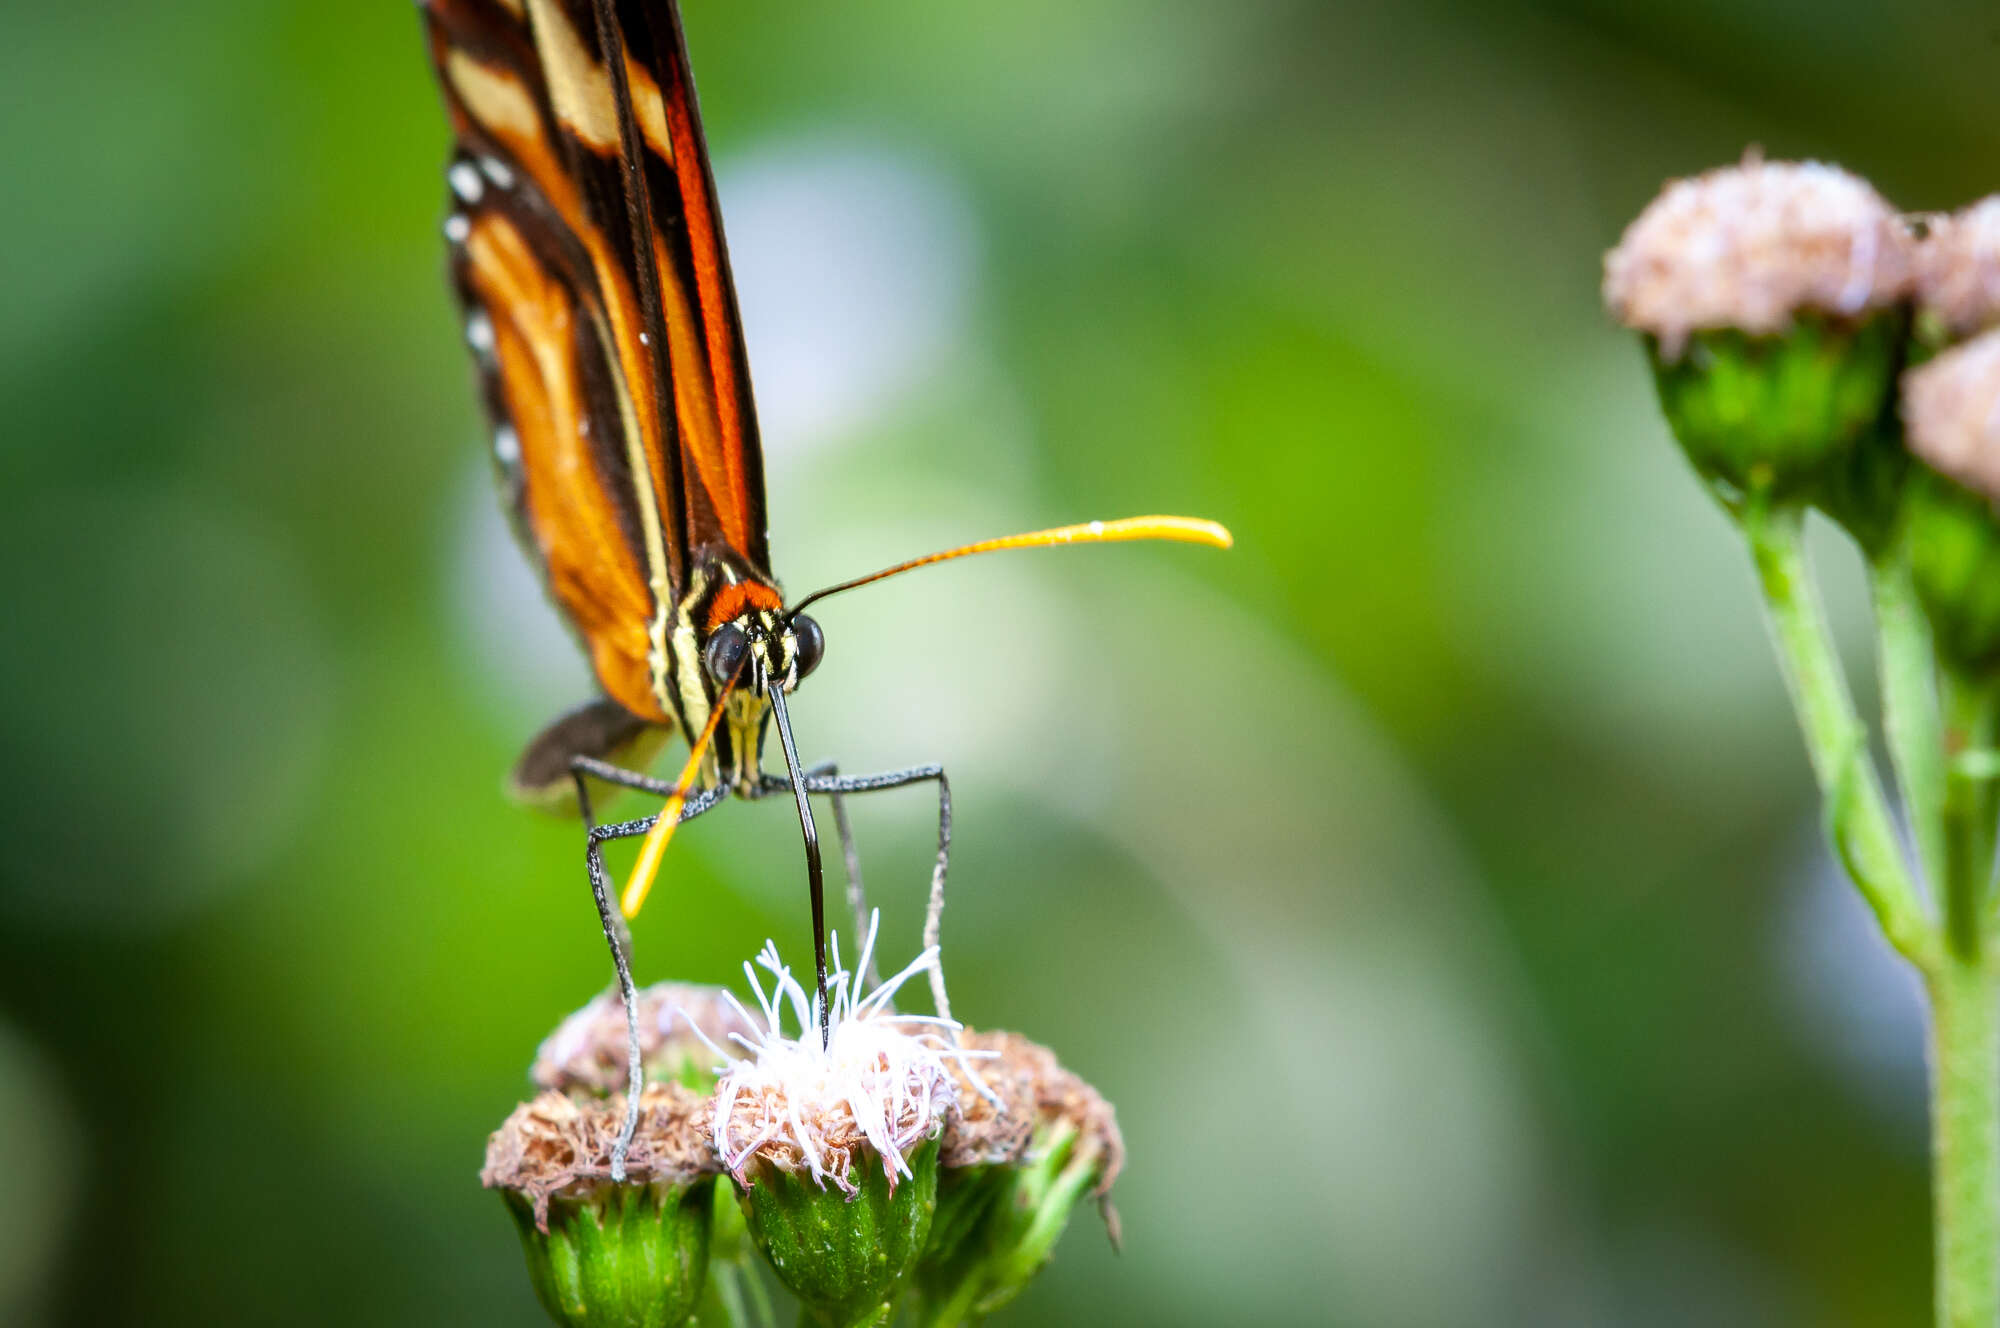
(654, 849)
(1186, 529)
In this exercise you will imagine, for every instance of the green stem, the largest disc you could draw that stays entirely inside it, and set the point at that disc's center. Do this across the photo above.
(1952, 805)
(764, 1314)
(722, 1302)
(1858, 815)
(1965, 1141)
(1972, 708)
(1910, 720)
(955, 1310)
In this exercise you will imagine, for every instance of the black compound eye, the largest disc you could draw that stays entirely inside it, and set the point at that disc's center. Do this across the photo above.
(725, 651)
(812, 643)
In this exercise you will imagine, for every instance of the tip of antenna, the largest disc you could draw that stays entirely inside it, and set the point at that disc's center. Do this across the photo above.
(1210, 532)
(1185, 529)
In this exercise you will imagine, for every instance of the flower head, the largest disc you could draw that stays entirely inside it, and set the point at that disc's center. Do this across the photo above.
(598, 1251)
(833, 1138)
(881, 1082)
(1773, 301)
(557, 1148)
(1751, 246)
(1958, 270)
(587, 1050)
(1012, 1176)
(1021, 1096)
(1951, 408)
(901, 1154)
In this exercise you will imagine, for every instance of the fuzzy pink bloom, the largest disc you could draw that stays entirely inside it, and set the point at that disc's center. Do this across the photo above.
(1958, 269)
(1751, 246)
(1951, 412)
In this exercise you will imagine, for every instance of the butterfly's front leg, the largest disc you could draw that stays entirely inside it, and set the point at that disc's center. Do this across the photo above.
(619, 939)
(826, 780)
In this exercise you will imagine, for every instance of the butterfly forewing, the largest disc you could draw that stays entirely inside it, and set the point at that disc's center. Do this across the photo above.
(718, 421)
(588, 253)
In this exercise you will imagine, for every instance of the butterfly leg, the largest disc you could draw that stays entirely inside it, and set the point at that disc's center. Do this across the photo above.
(618, 775)
(619, 939)
(612, 774)
(836, 786)
(605, 772)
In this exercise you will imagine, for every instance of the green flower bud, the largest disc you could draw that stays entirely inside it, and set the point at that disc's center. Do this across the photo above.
(600, 1254)
(844, 1256)
(1771, 298)
(1785, 416)
(1865, 493)
(1009, 1186)
(587, 1051)
(1951, 408)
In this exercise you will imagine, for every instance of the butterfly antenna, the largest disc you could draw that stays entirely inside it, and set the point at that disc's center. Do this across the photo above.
(1183, 529)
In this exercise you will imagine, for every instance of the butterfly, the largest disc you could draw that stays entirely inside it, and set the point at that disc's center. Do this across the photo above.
(586, 248)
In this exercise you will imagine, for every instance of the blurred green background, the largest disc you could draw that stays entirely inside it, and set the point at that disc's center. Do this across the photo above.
(1432, 881)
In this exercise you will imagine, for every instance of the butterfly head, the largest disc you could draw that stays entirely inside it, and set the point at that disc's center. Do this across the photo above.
(753, 651)
(762, 648)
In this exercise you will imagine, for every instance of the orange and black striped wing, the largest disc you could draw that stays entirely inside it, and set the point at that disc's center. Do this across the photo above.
(721, 459)
(587, 252)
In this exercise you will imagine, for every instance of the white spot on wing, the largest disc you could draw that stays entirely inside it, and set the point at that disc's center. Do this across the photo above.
(465, 181)
(498, 172)
(507, 446)
(479, 333)
(456, 228)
